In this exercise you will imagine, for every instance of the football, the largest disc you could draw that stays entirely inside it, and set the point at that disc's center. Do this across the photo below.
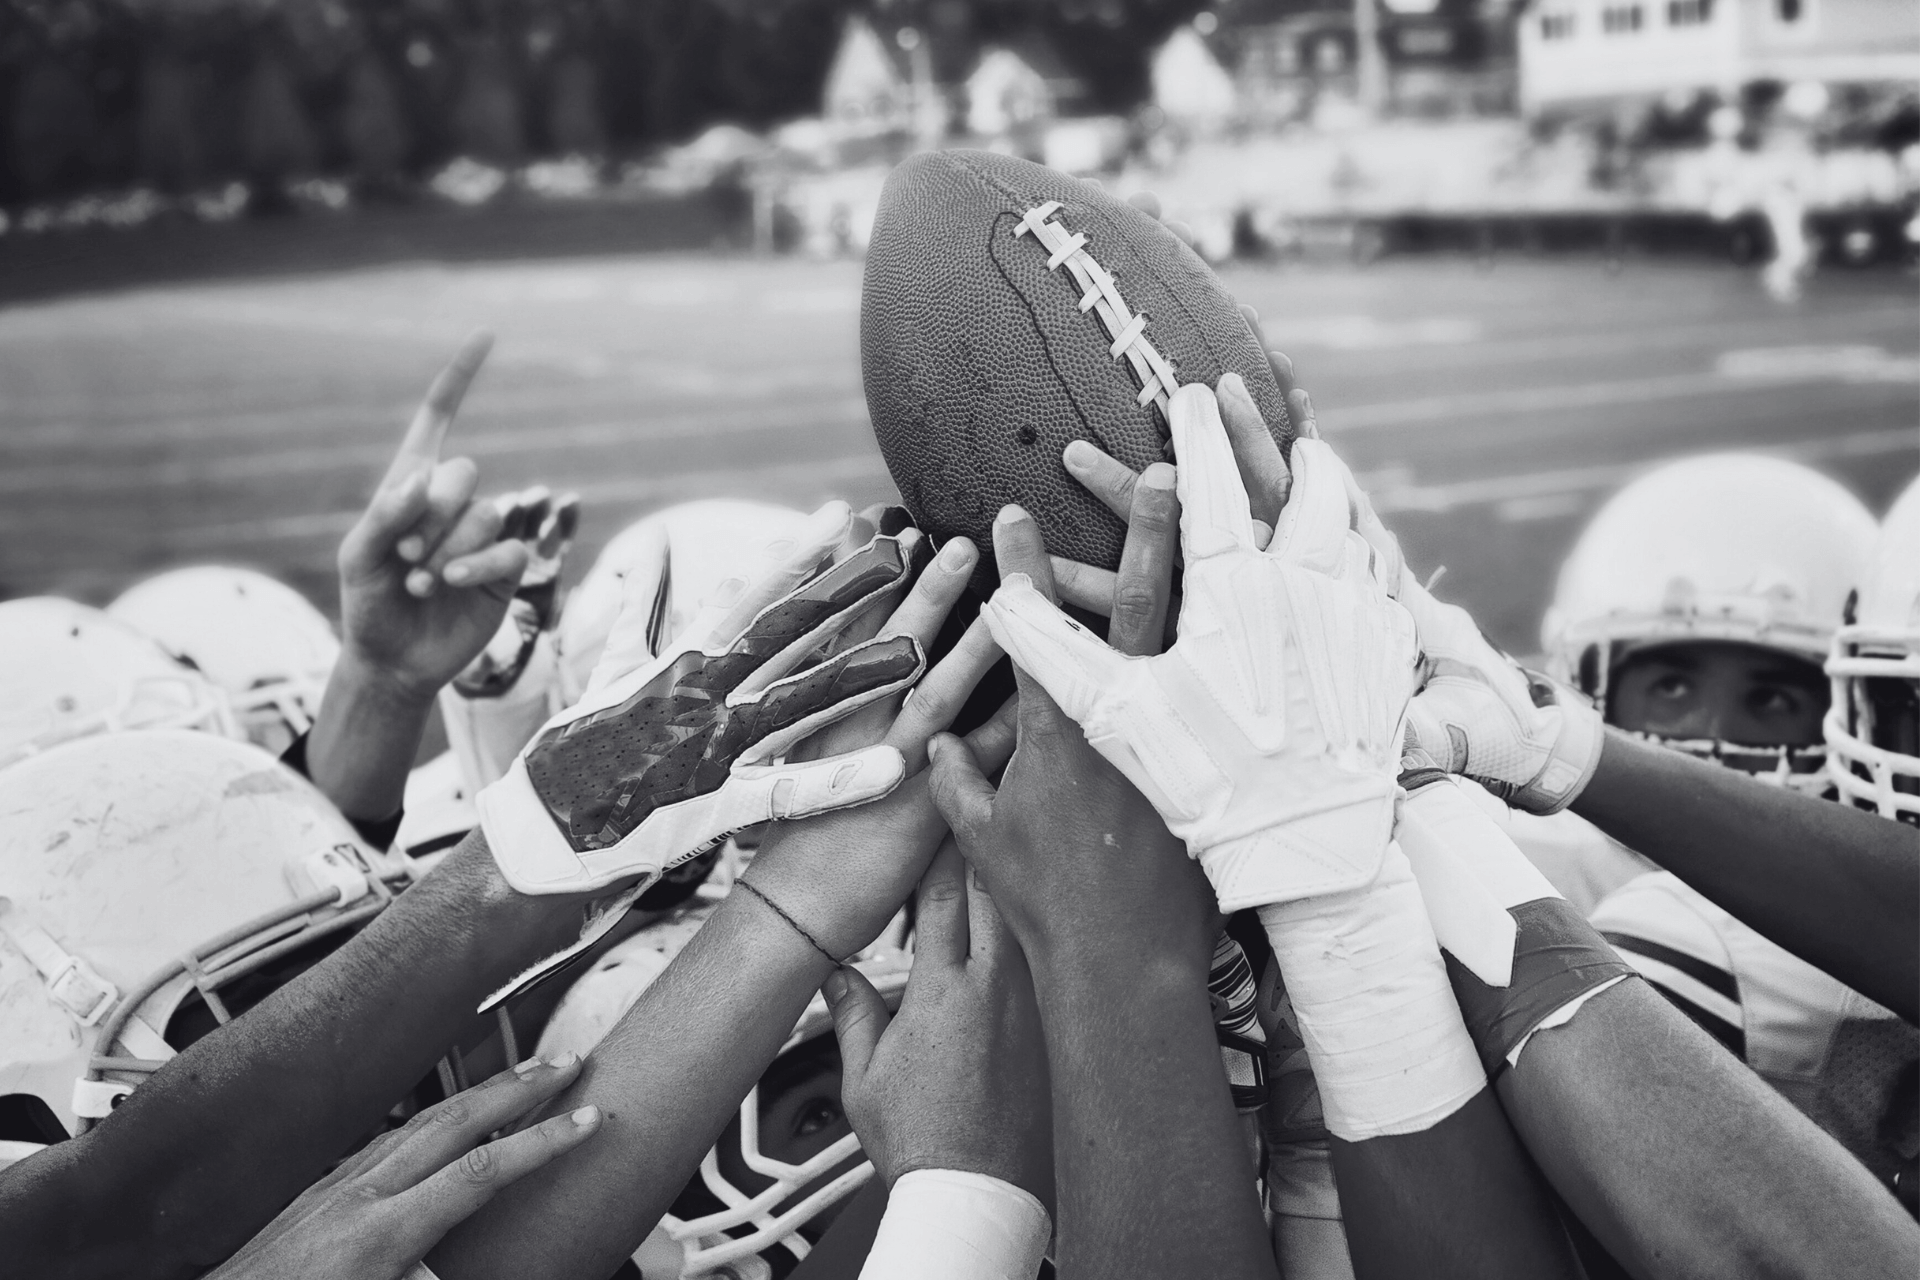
(1008, 310)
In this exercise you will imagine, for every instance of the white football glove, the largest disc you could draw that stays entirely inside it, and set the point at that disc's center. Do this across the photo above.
(664, 756)
(1268, 737)
(1528, 740)
(1269, 740)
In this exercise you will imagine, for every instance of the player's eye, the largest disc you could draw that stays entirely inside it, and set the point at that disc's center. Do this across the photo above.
(1673, 686)
(1773, 700)
(818, 1114)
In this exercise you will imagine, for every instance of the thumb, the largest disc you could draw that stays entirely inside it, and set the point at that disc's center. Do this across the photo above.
(960, 791)
(860, 1018)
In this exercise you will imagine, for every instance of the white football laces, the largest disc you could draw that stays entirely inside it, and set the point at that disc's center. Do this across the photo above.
(1100, 295)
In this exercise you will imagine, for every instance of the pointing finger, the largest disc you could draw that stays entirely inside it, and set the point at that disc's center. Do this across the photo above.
(420, 447)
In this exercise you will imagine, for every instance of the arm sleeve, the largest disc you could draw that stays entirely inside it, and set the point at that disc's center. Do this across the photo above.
(943, 1224)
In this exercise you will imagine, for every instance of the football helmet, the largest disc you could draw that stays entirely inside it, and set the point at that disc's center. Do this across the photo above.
(1873, 723)
(72, 671)
(779, 1164)
(686, 552)
(153, 885)
(1729, 547)
(258, 639)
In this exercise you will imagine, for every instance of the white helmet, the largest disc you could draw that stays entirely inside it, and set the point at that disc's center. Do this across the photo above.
(72, 671)
(258, 639)
(1730, 547)
(719, 1227)
(1873, 724)
(687, 551)
(141, 875)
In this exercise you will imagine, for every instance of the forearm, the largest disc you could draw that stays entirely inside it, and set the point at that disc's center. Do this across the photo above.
(1684, 1162)
(667, 1079)
(1831, 884)
(365, 738)
(201, 1156)
(1152, 1172)
(1432, 1180)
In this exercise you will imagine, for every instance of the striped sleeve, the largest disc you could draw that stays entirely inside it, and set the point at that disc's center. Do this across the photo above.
(1656, 929)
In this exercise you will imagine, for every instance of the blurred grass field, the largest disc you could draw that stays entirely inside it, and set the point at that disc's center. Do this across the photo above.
(1489, 409)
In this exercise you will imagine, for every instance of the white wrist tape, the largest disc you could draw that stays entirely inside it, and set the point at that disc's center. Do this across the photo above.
(943, 1224)
(1376, 1011)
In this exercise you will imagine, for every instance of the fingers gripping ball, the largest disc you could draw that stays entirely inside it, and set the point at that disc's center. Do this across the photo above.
(656, 764)
(1268, 736)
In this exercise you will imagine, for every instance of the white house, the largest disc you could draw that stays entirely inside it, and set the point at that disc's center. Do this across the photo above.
(1589, 50)
(864, 89)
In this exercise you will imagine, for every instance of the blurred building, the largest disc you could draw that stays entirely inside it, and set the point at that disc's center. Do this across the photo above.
(1294, 59)
(1575, 51)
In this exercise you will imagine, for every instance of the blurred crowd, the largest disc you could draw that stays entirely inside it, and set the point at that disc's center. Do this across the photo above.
(761, 918)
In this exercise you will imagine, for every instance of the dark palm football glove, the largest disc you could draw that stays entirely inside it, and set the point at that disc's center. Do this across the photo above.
(663, 757)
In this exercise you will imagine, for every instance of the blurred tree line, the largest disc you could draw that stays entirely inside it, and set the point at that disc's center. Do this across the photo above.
(180, 94)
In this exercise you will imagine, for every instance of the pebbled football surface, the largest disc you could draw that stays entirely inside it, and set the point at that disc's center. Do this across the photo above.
(981, 367)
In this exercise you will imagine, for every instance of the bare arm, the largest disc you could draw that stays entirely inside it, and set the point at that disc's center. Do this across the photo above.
(1684, 1162)
(205, 1153)
(666, 1080)
(1152, 1172)
(674, 1069)
(424, 583)
(1835, 886)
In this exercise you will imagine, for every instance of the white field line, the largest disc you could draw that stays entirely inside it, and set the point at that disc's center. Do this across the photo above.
(1423, 411)
(92, 477)
(685, 485)
(1390, 490)
(1428, 410)
(1397, 495)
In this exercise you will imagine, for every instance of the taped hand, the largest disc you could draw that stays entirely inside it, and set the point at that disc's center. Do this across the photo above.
(1268, 737)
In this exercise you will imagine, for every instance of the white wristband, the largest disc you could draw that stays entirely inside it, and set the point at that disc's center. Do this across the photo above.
(943, 1224)
(1376, 1011)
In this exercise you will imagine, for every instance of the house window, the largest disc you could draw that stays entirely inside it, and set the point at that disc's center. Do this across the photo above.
(1556, 26)
(1622, 19)
(1689, 13)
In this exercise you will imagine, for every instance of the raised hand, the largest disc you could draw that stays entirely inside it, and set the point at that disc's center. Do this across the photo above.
(425, 576)
(1267, 737)
(380, 1212)
(664, 755)
(1070, 849)
(958, 1078)
(1118, 927)
(1530, 741)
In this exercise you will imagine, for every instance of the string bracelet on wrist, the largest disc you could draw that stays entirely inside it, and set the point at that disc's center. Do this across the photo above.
(793, 924)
